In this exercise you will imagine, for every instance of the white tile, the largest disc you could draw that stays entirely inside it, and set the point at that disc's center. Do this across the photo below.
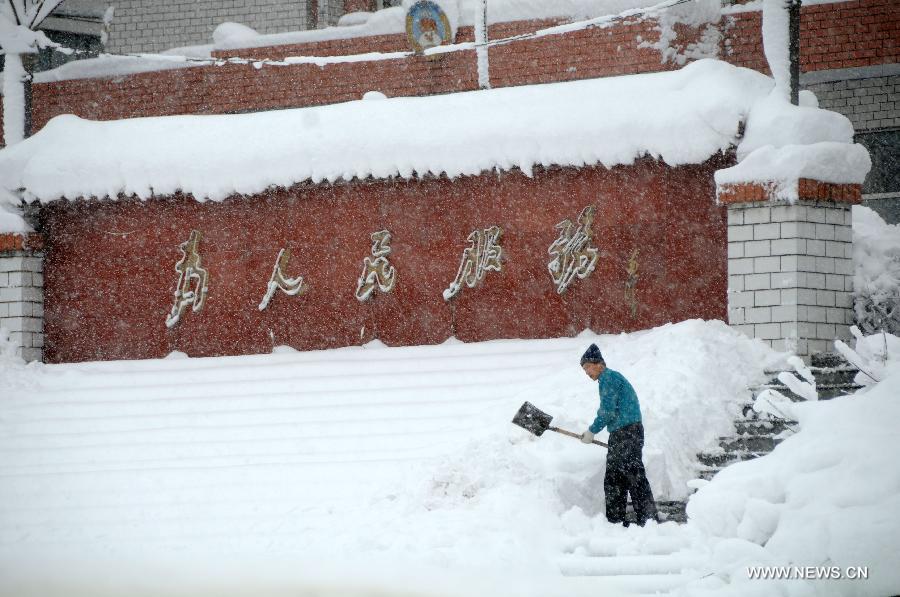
(825, 265)
(740, 233)
(737, 300)
(766, 298)
(834, 281)
(787, 279)
(757, 215)
(735, 250)
(843, 266)
(763, 265)
(835, 315)
(816, 247)
(768, 331)
(815, 213)
(825, 298)
(758, 248)
(825, 231)
(757, 282)
(788, 213)
(825, 331)
(835, 249)
(789, 246)
(735, 283)
(806, 296)
(789, 296)
(816, 314)
(815, 280)
(766, 231)
(740, 266)
(783, 313)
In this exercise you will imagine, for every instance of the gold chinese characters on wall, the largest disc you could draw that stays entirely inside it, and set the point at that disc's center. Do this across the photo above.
(377, 271)
(573, 256)
(279, 281)
(193, 280)
(482, 256)
(572, 252)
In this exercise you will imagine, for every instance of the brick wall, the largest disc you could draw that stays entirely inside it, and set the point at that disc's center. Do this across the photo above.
(836, 35)
(141, 26)
(869, 102)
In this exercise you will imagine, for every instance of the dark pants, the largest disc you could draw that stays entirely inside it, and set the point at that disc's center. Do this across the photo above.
(625, 475)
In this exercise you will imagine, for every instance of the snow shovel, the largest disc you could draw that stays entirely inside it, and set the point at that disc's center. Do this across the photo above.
(534, 420)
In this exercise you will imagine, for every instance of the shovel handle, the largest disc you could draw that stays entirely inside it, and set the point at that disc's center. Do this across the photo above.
(578, 435)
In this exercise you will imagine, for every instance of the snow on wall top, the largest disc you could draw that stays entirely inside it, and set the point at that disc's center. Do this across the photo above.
(680, 117)
(460, 12)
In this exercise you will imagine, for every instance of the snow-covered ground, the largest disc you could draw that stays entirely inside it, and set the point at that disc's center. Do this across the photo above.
(400, 456)
(395, 471)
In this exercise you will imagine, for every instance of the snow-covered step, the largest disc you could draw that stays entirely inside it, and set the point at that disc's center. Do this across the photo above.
(655, 564)
(645, 584)
(613, 546)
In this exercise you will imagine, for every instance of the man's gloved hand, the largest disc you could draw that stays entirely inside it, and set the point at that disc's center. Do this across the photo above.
(587, 437)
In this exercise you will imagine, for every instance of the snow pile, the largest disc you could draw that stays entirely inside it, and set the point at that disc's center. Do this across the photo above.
(382, 22)
(876, 284)
(784, 143)
(350, 19)
(402, 458)
(232, 33)
(680, 117)
(873, 355)
(827, 496)
(11, 219)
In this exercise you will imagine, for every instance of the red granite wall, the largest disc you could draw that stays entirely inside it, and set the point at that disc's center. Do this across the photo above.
(110, 278)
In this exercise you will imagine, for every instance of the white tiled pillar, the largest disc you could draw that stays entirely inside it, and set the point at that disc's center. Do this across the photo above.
(22, 300)
(790, 273)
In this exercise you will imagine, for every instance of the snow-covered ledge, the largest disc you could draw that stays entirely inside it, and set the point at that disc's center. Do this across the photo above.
(22, 292)
(790, 263)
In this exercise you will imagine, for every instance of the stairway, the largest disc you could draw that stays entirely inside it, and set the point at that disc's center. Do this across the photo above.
(650, 561)
(757, 434)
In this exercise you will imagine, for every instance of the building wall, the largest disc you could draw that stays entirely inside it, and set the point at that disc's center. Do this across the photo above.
(597, 52)
(870, 98)
(141, 26)
(118, 288)
(867, 96)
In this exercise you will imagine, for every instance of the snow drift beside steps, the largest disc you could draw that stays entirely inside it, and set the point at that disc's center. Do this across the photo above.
(828, 496)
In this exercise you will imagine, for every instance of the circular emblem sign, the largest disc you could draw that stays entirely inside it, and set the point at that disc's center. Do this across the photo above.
(426, 26)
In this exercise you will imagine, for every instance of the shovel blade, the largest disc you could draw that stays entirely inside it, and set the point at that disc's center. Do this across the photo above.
(532, 419)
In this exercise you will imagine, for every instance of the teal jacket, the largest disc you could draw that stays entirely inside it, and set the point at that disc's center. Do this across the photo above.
(618, 403)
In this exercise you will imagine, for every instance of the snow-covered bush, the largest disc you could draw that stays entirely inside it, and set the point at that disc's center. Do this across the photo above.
(876, 257)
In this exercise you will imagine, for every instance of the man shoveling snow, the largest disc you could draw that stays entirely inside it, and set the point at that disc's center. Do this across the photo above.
(619, 412)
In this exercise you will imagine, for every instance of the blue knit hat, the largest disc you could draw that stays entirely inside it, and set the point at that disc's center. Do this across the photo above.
(592, 355)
